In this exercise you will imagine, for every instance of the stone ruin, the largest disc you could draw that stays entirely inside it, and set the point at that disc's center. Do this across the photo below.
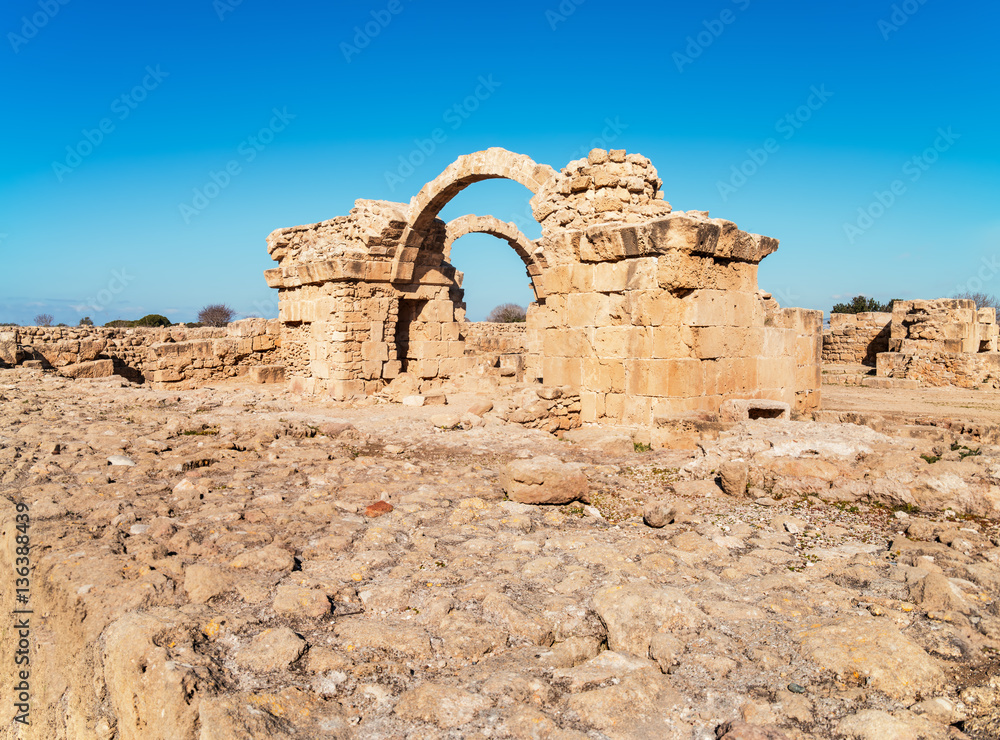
(943, 342)
(165, 357)
(644, 312)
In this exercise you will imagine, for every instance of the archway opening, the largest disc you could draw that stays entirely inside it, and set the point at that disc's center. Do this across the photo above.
(493, 250)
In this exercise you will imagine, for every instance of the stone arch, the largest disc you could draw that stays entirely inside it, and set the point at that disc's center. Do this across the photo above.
(491, 164)
(526, 249)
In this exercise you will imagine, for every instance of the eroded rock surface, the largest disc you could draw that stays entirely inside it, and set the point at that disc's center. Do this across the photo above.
(231, 583)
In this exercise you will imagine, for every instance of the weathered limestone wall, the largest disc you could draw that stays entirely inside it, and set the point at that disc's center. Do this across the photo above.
(943, 325)
(183, 355)
(485, 337)
(939, 369)
(944, 342)
(793, 345)
(856, 339)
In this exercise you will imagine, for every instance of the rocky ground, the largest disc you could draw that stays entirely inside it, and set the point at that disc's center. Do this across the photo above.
(217, 564)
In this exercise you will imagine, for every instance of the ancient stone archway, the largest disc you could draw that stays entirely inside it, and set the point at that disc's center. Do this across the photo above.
(491, 164)
(526, 249)
(645, 312)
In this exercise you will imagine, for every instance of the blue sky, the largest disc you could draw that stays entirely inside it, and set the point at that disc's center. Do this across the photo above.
(863, 135)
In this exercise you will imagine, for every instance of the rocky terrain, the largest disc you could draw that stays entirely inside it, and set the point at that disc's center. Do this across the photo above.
(237, 562)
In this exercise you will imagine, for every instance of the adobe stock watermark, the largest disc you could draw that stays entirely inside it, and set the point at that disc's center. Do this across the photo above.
(120, 280)
(364, 35)
(901, 14)
(611, 132)
(714, 28)
(247, 150)
(122, 108)
(613, 129)
(30, 26)
(786, 297)
(913, 169)
(223, 8)
(265, 308)
(454, 117)
(787, 126)
(987, 271)
(562, 12)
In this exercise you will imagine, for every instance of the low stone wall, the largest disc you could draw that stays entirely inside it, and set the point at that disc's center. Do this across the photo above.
(485, 337)
(940, 369)
(856, 338)
(177, 354)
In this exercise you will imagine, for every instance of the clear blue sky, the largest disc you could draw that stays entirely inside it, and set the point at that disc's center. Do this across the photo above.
(184, 88)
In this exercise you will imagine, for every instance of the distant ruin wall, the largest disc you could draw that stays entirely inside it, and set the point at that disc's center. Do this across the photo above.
(940, 369)
(178, 355)
(943, 342)
(856, 338)
(485, 337)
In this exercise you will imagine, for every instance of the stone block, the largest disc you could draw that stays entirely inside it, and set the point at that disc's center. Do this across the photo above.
(608, 243)
(672, 342)
(638, 410)
(612, 341)
(262, 343)
(614, 406)
(735, 410)
(167, 376)
(375, 351)
(681, 233)
(684, 378)
(265, 374)
(424, 368)
(562, 371)
(92, 369)
(586, 309)
(711, 308)
(604, 375)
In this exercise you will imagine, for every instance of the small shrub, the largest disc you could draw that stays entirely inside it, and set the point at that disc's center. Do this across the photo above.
(153, 319)
(43, 319)
(930, 458)
(964, 452)
(507, 313)
(642, 447)
(216, 314)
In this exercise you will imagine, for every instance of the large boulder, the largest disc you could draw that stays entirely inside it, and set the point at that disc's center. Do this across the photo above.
(544, 480)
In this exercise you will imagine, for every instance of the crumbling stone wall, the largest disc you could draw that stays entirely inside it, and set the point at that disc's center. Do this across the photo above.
(644, 311)
(180, 355)
(856, 338)
(486, 337)
(942, 325)
(940, 369)
(942, 342)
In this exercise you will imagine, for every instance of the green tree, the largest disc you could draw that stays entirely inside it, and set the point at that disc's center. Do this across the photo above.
(85, 321)
(862, 304)
(153, 319)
